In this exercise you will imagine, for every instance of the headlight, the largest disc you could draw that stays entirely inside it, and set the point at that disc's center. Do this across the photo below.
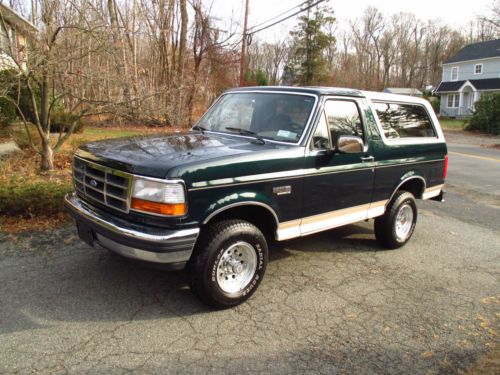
(158, 197)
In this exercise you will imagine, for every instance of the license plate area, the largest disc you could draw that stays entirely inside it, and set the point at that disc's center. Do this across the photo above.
(85, 233)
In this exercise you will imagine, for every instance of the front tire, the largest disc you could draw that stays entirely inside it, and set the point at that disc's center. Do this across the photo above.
(228, 263)
(395, 228)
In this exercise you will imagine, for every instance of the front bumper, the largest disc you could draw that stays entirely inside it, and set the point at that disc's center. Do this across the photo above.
(134, 241)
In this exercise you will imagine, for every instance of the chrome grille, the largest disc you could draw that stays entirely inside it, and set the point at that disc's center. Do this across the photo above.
(102, 184)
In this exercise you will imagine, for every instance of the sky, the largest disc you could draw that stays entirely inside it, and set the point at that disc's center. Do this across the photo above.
(456, 13)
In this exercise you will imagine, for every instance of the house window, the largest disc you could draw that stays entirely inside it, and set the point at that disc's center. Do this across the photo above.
(4, 38)
(454, 101)
(478, 69)
(454, 73)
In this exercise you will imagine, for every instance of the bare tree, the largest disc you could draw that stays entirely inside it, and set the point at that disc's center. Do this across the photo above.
(162, 62)
(493, 19)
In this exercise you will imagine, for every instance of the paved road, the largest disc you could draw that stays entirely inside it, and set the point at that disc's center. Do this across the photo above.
(474, 168)
(330, 303)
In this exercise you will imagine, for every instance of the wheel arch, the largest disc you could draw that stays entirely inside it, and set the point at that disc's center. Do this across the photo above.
(414, 184)
(260, 214)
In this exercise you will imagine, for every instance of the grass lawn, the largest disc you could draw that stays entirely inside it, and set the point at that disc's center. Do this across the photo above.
(109, 132)
(452, 124)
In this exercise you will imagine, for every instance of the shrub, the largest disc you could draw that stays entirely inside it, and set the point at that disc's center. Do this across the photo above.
(436, 105)
(25, 102)
(21, 138)
(61, 121)
(28, 198)
(7, 112)
(486, 117)
(18, 91)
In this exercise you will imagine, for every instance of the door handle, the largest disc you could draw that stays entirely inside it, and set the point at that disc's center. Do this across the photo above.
(366, 159)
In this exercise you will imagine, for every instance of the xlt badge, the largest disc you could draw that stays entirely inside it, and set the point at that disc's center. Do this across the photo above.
(281, 190)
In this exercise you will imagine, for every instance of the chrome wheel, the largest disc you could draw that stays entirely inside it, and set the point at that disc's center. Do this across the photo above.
(236, 267)
(404, 221)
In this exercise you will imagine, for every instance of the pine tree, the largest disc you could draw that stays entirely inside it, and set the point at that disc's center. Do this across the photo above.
(309, 43)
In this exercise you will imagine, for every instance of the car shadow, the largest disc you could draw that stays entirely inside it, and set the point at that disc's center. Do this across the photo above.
(79, 283)
(350, 238)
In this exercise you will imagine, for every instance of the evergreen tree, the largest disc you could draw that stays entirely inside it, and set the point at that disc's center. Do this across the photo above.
(309, 42)
(256, 77)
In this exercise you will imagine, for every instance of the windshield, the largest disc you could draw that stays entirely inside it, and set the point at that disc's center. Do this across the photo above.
(280, 117)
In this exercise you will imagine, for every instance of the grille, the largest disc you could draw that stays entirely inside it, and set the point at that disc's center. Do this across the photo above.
(102, 184)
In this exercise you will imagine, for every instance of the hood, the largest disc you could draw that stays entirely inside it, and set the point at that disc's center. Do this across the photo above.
(156, 155)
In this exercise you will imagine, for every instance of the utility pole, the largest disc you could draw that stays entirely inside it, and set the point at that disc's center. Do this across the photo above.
(244, 47)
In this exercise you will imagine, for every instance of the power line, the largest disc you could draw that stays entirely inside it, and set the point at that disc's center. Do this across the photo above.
(278, 15)
(247, 34)
(284, 19)
(244, 47)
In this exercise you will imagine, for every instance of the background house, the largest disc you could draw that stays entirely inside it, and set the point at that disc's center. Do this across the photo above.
(14, 32)
(474, 70)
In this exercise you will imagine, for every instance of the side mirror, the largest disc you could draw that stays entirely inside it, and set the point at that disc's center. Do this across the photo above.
(349, 144)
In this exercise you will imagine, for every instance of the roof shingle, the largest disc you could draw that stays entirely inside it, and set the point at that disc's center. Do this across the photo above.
(479, 84)
(481, 50)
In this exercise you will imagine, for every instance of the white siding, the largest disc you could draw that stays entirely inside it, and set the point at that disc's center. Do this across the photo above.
(491, 69)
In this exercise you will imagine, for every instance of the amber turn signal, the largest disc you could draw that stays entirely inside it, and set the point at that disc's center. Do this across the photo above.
(159, 208)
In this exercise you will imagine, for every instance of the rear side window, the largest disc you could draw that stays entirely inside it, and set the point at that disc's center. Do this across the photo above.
(404, 120)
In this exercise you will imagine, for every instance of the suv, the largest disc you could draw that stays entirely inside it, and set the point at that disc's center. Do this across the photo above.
(263, 163)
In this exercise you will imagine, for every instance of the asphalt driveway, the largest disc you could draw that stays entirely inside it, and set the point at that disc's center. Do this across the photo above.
(330, 303)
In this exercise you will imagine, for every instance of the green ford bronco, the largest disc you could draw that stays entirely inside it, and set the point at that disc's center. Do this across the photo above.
(263, 163)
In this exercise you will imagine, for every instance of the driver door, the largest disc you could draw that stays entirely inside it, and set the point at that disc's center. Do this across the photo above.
(337, 186)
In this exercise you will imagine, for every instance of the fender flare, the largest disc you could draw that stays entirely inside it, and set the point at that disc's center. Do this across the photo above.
(405, 180)
(241, 204)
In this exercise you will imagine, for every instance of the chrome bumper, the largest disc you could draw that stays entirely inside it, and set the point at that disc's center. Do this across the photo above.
(134, 241)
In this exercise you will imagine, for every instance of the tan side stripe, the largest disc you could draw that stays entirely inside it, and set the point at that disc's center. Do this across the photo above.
(329, 220)
(432, 191)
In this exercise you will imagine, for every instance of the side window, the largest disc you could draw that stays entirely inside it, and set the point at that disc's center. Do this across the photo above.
(343, 118)
(404, 120)
(4, 39)
(321, 138)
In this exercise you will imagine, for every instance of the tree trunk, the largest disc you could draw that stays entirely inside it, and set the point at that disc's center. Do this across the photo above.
(47, 163)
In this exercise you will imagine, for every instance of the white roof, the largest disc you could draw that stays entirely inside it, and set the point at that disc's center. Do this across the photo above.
(403, 90)
(373, 95)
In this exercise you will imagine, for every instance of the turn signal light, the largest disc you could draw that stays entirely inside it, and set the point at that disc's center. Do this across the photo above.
(158, 208)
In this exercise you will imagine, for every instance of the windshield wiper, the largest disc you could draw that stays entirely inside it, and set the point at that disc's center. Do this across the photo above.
(246, 132)
(200, 128)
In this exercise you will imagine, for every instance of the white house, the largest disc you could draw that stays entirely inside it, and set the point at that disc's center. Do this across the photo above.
(474, 70)
(14, 32)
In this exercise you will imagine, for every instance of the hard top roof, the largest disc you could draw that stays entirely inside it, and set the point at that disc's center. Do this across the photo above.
(337, 91)
(319, 90)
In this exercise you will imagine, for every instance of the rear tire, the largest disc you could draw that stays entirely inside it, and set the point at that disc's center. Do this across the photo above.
(228, 263)
(395, 228)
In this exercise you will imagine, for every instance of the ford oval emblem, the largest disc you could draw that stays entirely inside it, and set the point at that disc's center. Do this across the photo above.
(93, 183)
